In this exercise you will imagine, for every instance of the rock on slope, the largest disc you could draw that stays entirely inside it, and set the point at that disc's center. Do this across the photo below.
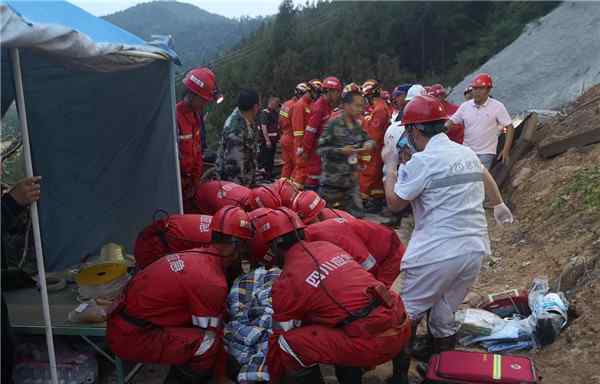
(550, 64)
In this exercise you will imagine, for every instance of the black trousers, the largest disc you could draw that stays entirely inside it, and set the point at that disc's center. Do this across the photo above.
(266, 158)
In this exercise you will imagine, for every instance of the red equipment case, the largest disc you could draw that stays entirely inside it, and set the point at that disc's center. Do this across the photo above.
(462, 367)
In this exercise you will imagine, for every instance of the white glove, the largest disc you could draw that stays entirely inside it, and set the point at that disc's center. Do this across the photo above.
(502, 214)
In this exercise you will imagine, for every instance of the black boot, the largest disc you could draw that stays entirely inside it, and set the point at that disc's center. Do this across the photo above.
(348, 375)
(401, 364)
(305, 376)
(183, 374)
(441, 344)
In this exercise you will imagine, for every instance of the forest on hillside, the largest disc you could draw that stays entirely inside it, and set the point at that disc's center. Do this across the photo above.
(393, 42)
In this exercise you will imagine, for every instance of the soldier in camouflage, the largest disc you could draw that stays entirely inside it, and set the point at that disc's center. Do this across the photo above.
(237, 156)
(342, 140)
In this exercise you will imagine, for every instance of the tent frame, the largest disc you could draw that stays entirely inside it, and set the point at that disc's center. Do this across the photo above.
(35, 218)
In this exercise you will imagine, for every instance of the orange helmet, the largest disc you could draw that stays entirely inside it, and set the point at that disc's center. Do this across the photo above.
(276, 223)
(371, 87)
(308, 205)
(286, 191)
(264, 196)
(201, 81)
(232, 221)
(483, 80)
(424, 109)
(316, 85)
(332, 82)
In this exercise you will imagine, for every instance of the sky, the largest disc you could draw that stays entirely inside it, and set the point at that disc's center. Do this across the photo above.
(228, 8)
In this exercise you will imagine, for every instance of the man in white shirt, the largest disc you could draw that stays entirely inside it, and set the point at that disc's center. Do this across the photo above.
(484, 119)
(445, 184)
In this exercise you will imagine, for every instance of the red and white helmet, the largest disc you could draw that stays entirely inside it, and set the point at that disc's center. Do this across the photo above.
(332, 82)
(308, 205)
(301, 89)
(316, 85)
(232, 221)
(371, 87)
(437, 90)
(202, 82)
(483, 80)
(276, 223)
(264, 196)
(286, 191)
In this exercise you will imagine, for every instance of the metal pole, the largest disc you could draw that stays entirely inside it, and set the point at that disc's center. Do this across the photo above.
(35, 219)
(175, 135)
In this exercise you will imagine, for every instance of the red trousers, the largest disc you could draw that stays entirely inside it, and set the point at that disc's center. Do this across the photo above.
(161, 345)
(313, 170)
(287, 155)
(315, 344)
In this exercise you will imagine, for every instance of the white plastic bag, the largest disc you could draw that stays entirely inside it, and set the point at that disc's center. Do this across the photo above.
(478, 322)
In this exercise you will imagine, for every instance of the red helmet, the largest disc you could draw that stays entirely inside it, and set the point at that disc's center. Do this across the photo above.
(175, 233)
(276, 223)
(351, 88)
(232, 221)
(316, 85)
(424, 109)
(371, 88)
(202, 82)
(258, 247)
(332, 83)
(286, 191)
(483, 80)
(307, 205)
(264, 196)
(437, 90)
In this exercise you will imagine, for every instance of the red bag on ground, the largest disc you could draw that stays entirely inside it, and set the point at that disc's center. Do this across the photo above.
(462, 367)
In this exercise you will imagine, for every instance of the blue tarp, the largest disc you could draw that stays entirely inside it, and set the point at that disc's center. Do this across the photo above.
(101, 124)
(64, 13)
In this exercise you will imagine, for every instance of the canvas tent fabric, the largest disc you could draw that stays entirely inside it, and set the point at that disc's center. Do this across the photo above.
(101, 126)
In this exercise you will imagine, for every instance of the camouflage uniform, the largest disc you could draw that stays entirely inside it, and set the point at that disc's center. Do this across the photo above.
(236, 159)
(339, 179)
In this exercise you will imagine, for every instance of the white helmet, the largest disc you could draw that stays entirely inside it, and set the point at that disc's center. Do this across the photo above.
(414, 91)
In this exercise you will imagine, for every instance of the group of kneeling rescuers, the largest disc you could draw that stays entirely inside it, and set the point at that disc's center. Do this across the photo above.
(331, 303)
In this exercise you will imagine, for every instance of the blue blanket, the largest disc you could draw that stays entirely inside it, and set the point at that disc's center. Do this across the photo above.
(251, 311)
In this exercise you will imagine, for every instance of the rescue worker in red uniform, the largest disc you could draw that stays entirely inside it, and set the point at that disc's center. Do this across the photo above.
(455, 133)
(201, 89)
(214, 195)
(264, 196)
(384, 250)
(287, 135)
(375, 124)
(175, 233)
(326, 308)
(320, 113)
(171, 311)
(300, 114)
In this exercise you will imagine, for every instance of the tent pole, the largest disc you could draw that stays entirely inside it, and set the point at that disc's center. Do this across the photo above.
(35, 219)
(175, 136)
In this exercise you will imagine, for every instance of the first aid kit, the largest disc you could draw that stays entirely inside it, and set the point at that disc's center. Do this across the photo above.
(462, 367)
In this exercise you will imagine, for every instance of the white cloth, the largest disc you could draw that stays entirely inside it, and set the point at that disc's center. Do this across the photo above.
(441, 287)
(389, 153)
(483, 124)
(444, 183)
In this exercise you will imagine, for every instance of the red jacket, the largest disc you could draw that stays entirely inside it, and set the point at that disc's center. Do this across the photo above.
(300, 112)
(457, 132)
(214, 195)
(175, 234)
(180, 290)
(339, 232)
(190, 143)
(380, 240)
(320, 113)
(375, 124)
(303, 293)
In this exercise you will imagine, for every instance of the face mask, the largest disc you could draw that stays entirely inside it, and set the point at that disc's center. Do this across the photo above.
(406, 142)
